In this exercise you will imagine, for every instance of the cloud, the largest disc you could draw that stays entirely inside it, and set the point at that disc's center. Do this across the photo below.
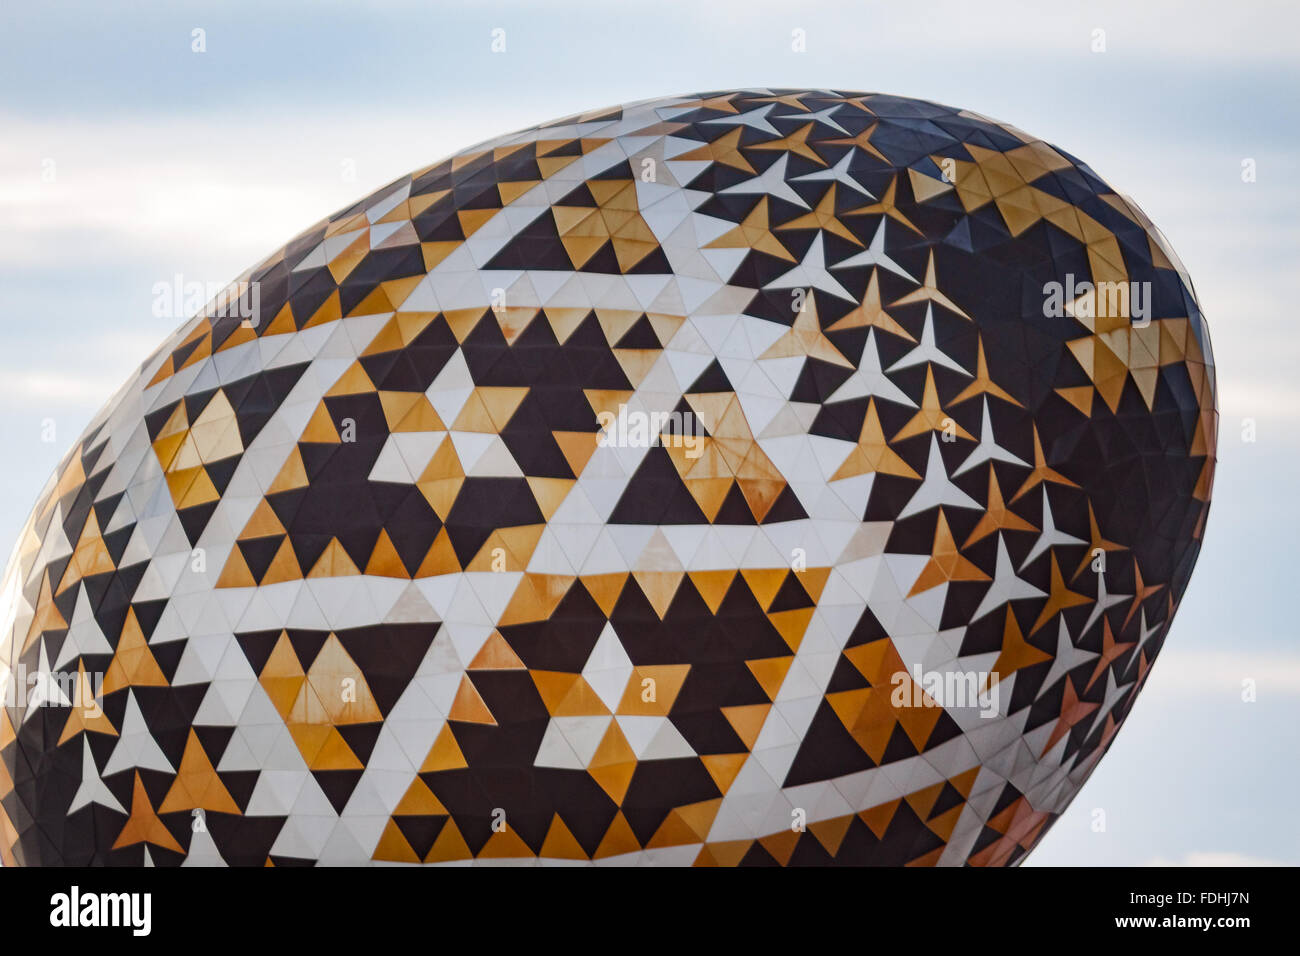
(1272, 400)
(49, 387)
(73, 378)
(1156, 28)
(1214, 858)
(210, 188)
(1188, 672)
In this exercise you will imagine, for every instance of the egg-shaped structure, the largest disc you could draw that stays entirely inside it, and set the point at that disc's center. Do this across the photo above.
(767, 476)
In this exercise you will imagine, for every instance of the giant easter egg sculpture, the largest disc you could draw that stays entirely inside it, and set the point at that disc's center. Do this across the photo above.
(766, 476)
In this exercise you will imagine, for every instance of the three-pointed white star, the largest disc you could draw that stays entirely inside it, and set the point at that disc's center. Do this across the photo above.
(839, 173)
(875, 255)
(812, 274)
(869, 379)
(1006, 585)
(988, 449)
(926, 350)
(770, 181)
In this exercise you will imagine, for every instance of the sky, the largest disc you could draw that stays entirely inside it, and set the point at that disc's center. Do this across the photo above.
(127, 157)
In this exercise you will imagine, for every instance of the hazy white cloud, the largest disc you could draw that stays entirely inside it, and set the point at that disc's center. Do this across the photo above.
(18, 386)
(211, 188)
(1213, 858)
(1185, 672)
(1173, 28)
(1272, 400)
(75, 373)
(1153, 28)
(58, 390)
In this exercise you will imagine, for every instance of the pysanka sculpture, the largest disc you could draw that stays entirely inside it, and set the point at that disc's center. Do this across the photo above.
(794, 477)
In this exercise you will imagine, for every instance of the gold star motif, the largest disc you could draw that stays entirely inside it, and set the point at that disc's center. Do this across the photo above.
(862, 141)
(1058, 599)
(1111, 650)
(871, 314)
(1096, 543)
(1141, 592)
(725, 150)
(792, 100)
(946, 564)
(722, 104)
(858, 101)
(1041, 472)
(872, 453)
(85, 712)
(930, 416)
(885, 207)
(805, 337)
(1016, 652)
(796, 142)
(1073, 710)
(143, 826)
(983, 385)
(929, 292)
(47, 617)
(997, 516)
(823, 217)
(753, 233)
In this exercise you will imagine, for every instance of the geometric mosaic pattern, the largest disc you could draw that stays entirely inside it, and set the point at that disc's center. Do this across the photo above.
(372, 580)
